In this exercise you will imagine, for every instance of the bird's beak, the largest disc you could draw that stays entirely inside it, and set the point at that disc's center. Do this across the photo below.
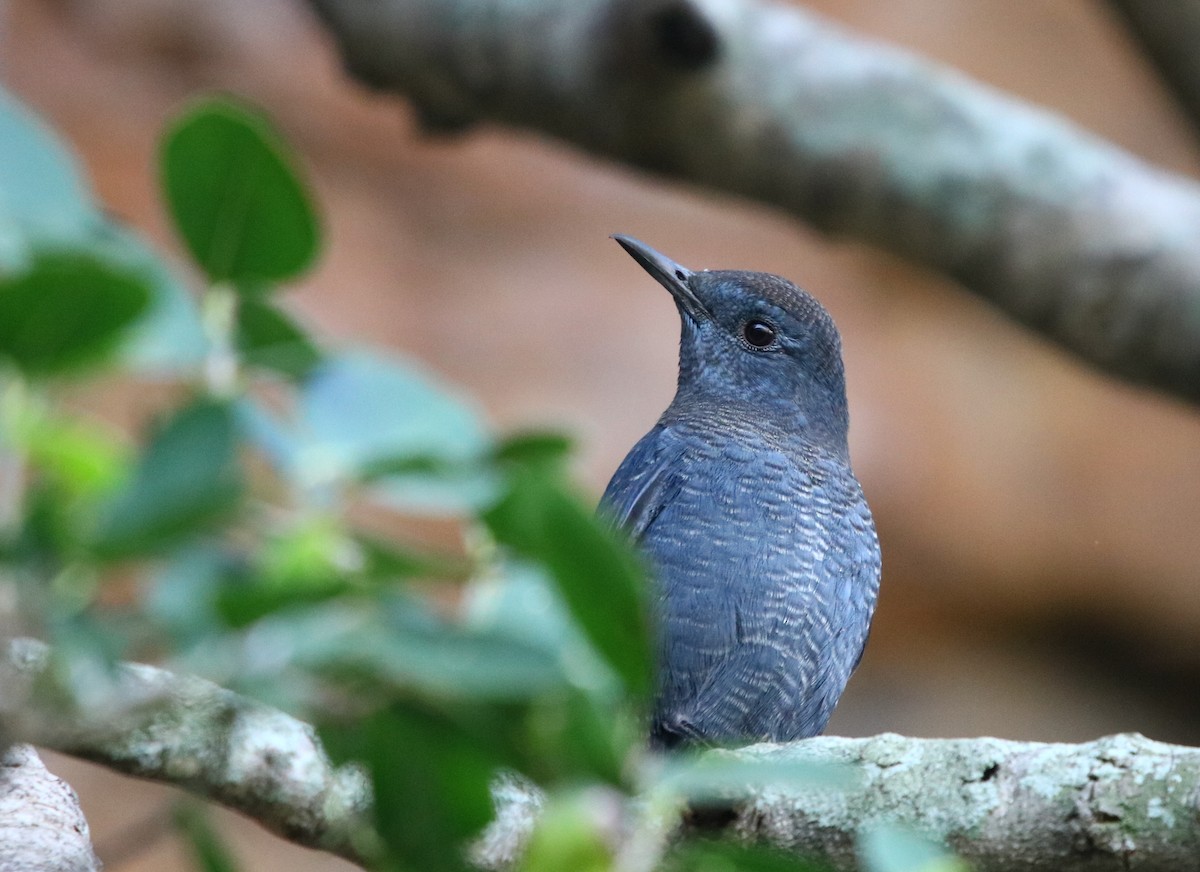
(668, 273)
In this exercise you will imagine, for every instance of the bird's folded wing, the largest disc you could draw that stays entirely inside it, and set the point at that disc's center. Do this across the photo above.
(644, 483)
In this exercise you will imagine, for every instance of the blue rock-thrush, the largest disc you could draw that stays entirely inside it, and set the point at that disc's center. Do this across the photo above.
(763, 550)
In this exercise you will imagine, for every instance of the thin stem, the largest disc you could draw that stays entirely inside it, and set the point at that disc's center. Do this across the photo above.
(221, 365)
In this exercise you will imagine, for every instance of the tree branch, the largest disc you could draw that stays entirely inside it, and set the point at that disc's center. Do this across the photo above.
(1122, 802)
(42, 828)
(1169, 31)
(1119, 802)
(1083, 242)
(193, 734)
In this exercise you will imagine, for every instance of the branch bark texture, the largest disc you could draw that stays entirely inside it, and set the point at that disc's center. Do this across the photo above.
(1122, 802)
(1073, 237)
(188, 732)
(1119, 803)
(42, 828)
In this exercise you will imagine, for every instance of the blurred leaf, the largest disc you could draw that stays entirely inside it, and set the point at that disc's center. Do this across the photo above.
(169, 338)
(42, 194)
(894, 849)
(597, 575)
(183, 595)
(65, 310)
(359, 411)
(533, 448)
(84, 459)
(586, 729)
(414, 652)
(307, 563)
(208, 849)
(47, 214)
(569, 836)
(430, 776)
(574, 734)
(187, 478)
(235, 195)
(718, 857)
(266, 337)
(716, 775)
(387, 561)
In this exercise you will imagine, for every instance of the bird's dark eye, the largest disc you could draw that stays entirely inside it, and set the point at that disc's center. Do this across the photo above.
(760, 334)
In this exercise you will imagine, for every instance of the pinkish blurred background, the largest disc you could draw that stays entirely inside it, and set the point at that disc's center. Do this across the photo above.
(1040, 523)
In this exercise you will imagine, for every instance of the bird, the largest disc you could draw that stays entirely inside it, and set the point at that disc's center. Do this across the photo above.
(762, 551)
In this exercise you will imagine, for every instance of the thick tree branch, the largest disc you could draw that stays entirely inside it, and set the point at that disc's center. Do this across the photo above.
(1075, 238)
(41, 826)
(1169, 30)
(1122, 802)
(188, 732)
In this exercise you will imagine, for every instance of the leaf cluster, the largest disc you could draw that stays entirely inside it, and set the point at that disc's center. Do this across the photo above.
(223, 537)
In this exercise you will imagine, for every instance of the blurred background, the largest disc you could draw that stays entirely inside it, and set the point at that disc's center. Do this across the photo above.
(1040, 523)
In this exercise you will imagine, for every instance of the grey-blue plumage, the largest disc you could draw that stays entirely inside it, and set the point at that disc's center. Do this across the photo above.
(765, 560)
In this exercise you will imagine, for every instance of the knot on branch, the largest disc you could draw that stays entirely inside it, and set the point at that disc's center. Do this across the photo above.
(682, 35)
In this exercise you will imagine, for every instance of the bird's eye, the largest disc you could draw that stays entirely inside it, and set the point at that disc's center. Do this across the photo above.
(760, 334)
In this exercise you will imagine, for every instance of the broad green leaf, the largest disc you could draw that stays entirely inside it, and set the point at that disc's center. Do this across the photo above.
(597, 574)
(82, 458)
(169, 338)
(187, 478)
(181, 598)
(235, 195)
(707, 856)
(895, 849)
(430, 776)
(575, 734)
(42, 194)
(267, 337)
(207, 848)
(47, 211)
(360, 412)
(570, 835)
(716, 775)
(533, 447)
(65, 310)
(403, 649)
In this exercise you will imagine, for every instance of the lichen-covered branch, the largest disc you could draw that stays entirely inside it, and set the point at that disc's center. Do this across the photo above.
(1081, 241)
(42, 828)
(191, 733)
(1122, 802)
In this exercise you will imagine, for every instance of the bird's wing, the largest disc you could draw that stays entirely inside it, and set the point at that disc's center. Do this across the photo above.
(644, 482)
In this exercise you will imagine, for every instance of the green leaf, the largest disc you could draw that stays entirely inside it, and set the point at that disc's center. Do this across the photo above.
(570, 836)
(597, 574)
(65, 310)
(717, 857)
(717, 775)
(360, 411)
(895, 849)
(187, 478)
(82, 458)
(430, 775)
(181, 598)
(534, 447)
(235, 195)
(47, 212)
(42, 194)
(439, 661)
(267, 337)
(208, 849)
(169, 338)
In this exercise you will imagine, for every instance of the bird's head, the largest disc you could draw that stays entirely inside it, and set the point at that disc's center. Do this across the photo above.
(755, 344)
